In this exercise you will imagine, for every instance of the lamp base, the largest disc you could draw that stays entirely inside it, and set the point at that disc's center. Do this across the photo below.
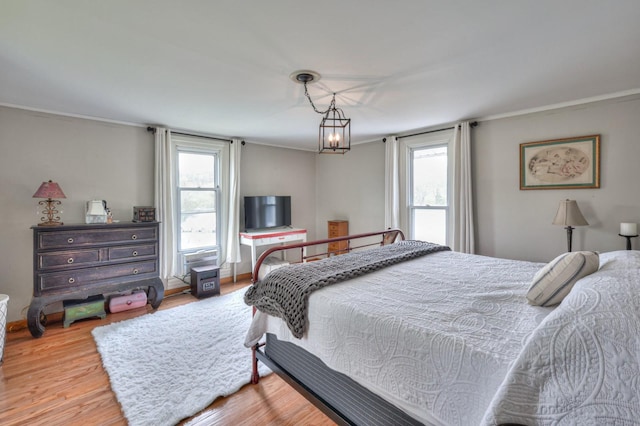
(50, 213)
(569, 237)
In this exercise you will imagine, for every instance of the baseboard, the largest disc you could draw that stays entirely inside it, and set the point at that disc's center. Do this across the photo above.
(15, 326)
(239, 277)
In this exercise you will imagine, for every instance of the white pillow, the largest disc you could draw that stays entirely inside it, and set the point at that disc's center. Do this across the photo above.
(554, 281)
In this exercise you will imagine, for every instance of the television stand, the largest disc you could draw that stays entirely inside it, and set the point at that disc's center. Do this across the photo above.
(266, 237)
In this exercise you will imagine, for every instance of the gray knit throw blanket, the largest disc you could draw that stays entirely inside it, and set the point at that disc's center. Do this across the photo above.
(284, 292)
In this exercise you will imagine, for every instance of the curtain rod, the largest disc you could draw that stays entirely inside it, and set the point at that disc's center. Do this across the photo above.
(473, 124)
(153, 129)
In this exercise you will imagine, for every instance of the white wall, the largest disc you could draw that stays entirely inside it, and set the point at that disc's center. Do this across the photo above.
(351, 187)
(269, 170)
(89, 160)
(510, 223)
(517, 224)
(97, 160)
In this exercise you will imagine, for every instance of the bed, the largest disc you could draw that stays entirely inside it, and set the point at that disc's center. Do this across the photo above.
(447, 338)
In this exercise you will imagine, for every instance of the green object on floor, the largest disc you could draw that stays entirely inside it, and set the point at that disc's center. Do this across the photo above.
(80, 309)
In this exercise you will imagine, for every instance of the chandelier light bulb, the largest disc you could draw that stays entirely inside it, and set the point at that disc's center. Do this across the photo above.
(334, 140)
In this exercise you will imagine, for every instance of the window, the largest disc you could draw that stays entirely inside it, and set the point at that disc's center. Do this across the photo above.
(428, 203)
(198, 200)
(200, 168)
(425, 186)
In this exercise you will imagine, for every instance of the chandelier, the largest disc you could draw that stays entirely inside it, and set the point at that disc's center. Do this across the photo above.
(334, 135)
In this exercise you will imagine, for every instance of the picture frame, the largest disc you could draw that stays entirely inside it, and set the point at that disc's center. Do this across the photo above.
(569, 163)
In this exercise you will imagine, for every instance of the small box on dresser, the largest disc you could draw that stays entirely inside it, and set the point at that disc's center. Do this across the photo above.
(144, 214)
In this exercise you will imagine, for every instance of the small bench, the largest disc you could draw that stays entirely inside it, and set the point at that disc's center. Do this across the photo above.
(74, 310)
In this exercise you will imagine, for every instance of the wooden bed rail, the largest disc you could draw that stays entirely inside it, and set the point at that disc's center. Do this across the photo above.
(386, 237)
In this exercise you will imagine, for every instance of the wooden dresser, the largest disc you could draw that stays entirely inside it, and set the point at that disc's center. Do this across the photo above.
(78, 261)
(338, 228)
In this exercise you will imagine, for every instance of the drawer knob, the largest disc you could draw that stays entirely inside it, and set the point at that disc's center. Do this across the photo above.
(72, 280)
(135, 253)
(134, 237)
(135, 271)
(70, 260)
(70, 240)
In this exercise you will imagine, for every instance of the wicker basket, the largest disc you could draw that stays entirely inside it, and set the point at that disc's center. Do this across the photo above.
(4, 300)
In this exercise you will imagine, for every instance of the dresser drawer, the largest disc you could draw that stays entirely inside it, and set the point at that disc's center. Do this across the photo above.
(131, 252)
(338, 228)
(68, 259)
(85, 277)
(339, 246)
(276, 239)
(80, 238)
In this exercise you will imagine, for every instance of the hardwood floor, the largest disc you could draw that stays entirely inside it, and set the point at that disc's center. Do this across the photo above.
(58, 379)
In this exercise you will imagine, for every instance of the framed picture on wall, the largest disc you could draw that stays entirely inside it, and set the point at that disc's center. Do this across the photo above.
(569, 163)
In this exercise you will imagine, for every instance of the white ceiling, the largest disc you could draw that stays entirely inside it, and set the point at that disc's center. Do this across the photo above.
(222, 67)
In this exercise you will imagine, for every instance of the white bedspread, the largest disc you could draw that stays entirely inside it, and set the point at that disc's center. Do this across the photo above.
(450, 339)
(582, 364)
(434, 335)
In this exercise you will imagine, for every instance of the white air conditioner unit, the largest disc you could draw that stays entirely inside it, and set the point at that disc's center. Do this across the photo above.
(197, 259)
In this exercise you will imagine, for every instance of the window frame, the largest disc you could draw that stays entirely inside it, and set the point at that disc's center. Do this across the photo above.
(411, 206)
(408, 145)
(202, 145)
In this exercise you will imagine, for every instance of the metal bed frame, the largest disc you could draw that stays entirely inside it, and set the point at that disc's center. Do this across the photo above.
(339, 397)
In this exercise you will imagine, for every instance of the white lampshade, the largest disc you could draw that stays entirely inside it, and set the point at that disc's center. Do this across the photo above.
(569, 214)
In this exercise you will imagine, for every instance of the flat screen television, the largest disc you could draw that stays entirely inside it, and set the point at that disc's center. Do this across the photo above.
(267, 211)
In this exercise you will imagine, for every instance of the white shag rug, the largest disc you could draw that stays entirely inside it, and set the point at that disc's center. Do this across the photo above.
(169, 365)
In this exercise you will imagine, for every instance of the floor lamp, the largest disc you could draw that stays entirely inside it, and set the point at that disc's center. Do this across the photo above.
(569, 215)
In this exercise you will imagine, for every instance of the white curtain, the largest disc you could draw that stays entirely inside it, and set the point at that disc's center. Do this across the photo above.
(392, 183)
(233, 203)
(163, 201)
(463, 229)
